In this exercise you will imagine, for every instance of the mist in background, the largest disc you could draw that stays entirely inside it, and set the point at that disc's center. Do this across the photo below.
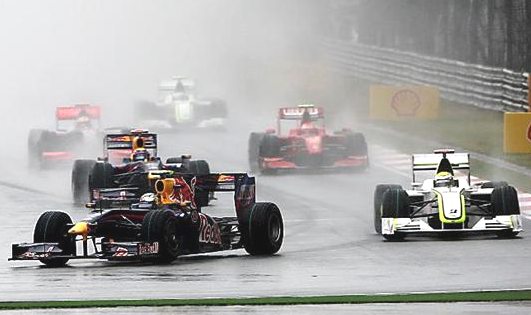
(114, 53)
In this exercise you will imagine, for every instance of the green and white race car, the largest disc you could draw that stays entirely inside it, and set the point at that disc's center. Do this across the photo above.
(447, 202)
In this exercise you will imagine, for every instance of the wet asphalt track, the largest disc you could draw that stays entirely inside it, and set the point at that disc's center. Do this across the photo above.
(329, 246)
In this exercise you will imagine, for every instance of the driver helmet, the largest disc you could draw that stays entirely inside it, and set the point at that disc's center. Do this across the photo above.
(140, 155)
(83, 122)
(444, 179)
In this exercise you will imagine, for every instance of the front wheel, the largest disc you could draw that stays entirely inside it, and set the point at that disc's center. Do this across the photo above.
(378, 198)
(52, 227)
(160, 226)
(262, 229)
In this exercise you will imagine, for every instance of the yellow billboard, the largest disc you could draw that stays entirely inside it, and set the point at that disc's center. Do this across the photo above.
(517, 133)
(390, 102)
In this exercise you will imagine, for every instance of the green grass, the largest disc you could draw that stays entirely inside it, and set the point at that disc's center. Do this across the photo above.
(477, 296)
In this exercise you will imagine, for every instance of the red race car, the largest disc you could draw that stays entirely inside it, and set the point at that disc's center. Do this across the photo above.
(76, 133)
(307, 145)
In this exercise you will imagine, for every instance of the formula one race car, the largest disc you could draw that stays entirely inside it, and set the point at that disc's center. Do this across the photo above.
(179, 108)
(446, 203)
(161, 227)
(76, 134)
(130, 160)
(307, 145)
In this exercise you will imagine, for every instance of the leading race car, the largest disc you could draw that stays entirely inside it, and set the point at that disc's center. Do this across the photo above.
(179, 108)
(161, 227)
(307, 145)
(130, 160)
(76, 134)
(446, 203)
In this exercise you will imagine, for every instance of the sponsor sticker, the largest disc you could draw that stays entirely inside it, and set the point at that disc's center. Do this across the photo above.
(121, 252)
(148, 248)
(406, 103)
(208, 233)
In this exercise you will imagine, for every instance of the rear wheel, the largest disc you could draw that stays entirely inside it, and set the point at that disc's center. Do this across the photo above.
(254, 150)
(200, 167)
(34, 148)
(378, 198)
(356, 144)
(160, 226)
(80, 180)
(101, 176)
(269, 146)
(262, 229)
(504, 201)
(52, 227)
(395, 204)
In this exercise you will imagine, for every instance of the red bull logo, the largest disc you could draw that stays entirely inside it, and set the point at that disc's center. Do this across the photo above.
(208, 233)
(406, 103)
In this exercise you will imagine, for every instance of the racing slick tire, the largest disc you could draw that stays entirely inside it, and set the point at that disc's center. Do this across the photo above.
(80, 180)
(504, 201)
(52, 227)
(262, 229)
(269, 146)
(494, 184)
(395, 204)
(160, 226)
(356, 144)
(35, 148)
(254, 150)
(200, 167)
(378, 198)
(101, 176)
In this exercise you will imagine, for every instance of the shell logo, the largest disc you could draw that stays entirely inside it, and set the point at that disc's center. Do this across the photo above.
(406, 103)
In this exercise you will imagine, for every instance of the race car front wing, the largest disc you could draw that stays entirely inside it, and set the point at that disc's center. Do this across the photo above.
(392, 226)
(109, 251)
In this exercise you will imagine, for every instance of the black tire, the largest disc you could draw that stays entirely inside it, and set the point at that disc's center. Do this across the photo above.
(52, 227)
(395, 204)
(504, 201)
(160, 226)
(101, 176)
(262, 229)
(378, 198)
(200, 167)
(494, 184)
(35, 148)
(80, 180)
(356, 144)
(255, 138)
(269, 146)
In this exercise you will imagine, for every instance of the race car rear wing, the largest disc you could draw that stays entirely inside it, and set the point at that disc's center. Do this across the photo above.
(124, 141)
(68, 113)
(296, 113)
(430, 162)
(243, 185)
(77, 111)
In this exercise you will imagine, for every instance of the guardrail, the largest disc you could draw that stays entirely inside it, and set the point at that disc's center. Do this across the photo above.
(487, 87)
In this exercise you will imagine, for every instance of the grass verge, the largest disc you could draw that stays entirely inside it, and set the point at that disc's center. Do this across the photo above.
(472, 296)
